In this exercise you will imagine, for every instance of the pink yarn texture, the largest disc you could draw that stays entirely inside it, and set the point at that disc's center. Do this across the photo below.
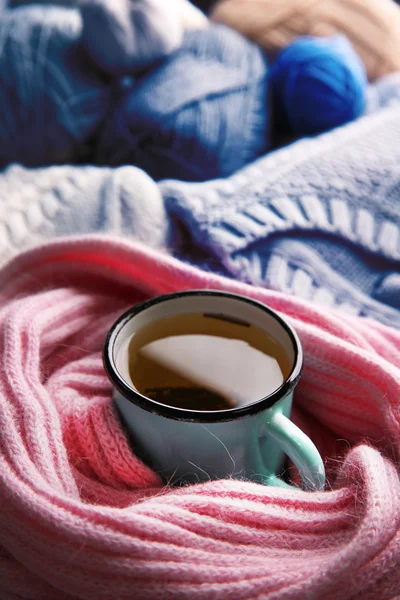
(82, 518)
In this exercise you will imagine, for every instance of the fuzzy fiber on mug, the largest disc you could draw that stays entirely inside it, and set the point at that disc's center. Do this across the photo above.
(82, 518)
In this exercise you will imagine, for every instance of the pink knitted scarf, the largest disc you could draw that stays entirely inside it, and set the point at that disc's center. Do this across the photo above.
(82, 517)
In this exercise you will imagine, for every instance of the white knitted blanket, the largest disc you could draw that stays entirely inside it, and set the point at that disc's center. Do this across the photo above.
(37, 205)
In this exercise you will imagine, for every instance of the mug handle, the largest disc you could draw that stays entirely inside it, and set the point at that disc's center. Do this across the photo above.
(300, 449)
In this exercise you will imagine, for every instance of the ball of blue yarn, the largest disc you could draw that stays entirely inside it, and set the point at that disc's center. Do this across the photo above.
(199, 115)
(318, 84)
(52, 98)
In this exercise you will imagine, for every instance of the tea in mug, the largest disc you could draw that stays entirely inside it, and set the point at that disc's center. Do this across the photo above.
(206, 362)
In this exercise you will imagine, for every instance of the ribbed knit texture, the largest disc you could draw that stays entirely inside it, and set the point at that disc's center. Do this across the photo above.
(82, 518)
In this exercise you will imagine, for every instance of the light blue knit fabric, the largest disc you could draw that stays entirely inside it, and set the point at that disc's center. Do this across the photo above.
(319, 219)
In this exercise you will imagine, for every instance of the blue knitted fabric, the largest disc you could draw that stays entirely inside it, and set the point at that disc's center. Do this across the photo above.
(60, 72)
(319, 219)
(203, 113)
(52, 100)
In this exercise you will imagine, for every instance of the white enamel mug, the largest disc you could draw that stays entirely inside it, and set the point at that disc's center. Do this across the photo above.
(189, 446)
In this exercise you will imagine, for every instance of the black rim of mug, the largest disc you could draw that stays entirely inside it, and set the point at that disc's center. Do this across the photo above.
(180, 414)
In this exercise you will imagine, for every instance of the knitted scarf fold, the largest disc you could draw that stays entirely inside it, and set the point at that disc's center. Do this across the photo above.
(82, 518)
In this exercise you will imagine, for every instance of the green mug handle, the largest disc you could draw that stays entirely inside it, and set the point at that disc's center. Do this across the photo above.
(299, 448)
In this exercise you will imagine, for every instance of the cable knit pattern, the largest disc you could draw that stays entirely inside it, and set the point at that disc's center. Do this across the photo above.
(82, 518)
(40, 204)
(319, 218)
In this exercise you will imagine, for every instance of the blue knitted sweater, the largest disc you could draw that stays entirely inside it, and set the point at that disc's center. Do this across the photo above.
(319, 218)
